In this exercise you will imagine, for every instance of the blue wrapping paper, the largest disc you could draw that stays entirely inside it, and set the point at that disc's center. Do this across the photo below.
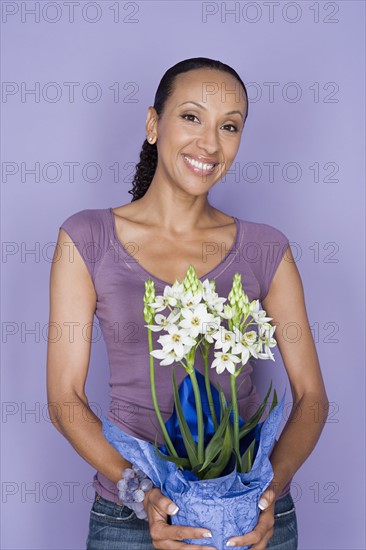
(228, 505)
(188, 402)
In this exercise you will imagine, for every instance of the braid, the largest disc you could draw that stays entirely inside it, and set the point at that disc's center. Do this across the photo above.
(145, 170)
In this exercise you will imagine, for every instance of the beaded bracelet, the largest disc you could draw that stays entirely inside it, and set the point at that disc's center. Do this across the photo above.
(132, 488)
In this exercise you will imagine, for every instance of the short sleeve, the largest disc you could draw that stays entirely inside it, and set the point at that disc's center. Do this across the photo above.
(83, 231)
(274, 244)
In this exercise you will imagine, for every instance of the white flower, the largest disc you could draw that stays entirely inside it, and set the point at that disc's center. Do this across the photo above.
(266, 329)
(228, 312)
(224, 361)
(190, 300)
(266, 339)
(267, 354)
(213, 301)
(245, 343)
(225, 339)
(253, 305)
(177, 289)
(259, 315)
(207, 289)
(195, 321)
(211, 328)
(163, 322)
(169, 298)
(168, 357)
(250, 337)
(217, 306)
(178, 340)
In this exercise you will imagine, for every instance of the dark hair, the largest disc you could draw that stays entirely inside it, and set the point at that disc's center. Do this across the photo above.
(145, 169)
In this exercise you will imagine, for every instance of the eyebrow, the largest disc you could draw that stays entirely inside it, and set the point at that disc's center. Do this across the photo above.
(203, 107)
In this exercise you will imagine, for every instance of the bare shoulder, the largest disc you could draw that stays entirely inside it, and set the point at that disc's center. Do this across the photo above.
(221, 218)
(127, 211)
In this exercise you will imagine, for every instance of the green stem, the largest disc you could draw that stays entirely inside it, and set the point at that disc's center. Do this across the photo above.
(234, 403)
(244, 326)
(208, 387)
(197, 396)
(168, 441)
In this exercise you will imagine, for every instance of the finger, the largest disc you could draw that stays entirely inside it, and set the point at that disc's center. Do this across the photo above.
(268, 497)
(263, 544)
(165, 535)
(162, 503)
(253, 537)
(171, 545)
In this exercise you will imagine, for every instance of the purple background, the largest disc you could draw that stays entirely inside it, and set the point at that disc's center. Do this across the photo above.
(311, 44)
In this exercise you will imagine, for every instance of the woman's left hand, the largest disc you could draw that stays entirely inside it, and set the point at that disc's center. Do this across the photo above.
(263, 531)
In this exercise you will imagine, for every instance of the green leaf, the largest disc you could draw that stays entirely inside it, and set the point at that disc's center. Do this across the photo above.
(275, 401)
(181, 462)
(196, 469)
(241, 383)
(214, 446)
(247, 458)
(223, 404)
(253, 421)
(238, 459)
(216, 468)
(189, 442)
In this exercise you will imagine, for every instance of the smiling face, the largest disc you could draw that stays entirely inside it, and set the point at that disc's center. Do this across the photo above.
(198, 133)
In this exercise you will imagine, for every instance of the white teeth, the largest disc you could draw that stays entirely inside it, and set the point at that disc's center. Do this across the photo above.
(199, 164)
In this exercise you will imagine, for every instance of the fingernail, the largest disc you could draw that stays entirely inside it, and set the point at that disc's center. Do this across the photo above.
(262, 504)
(231, 543)
(207, 535)
(172, 509)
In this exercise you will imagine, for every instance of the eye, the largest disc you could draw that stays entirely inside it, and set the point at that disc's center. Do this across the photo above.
(231, 126)
(235, 129)
(188, 114)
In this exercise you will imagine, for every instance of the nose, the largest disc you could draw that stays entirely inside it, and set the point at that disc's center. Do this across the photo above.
(208, 140)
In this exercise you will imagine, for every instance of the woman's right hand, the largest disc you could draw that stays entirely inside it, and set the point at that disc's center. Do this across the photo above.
(165, 536)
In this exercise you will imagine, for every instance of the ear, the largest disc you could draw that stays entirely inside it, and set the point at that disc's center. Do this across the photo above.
(151, 121)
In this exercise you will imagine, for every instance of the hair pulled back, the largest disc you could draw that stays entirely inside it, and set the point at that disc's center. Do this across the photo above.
(146, 167)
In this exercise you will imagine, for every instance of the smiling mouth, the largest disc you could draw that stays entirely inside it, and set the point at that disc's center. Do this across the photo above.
(201, 167)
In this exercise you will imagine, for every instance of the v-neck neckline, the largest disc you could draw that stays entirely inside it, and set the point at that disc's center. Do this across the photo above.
(212, 274)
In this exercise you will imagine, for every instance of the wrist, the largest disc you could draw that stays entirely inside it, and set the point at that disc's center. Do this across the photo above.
(118, 470)
(132, 489)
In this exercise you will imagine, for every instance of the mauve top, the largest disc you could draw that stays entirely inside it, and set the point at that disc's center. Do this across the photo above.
(119, 279)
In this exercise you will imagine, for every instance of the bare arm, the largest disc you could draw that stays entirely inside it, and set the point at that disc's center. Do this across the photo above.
(72, 306)
(285, 303)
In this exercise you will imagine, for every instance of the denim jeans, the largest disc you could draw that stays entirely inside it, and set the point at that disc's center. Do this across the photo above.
(116, 527)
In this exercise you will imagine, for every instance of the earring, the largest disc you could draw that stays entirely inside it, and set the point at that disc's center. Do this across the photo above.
(151, 138)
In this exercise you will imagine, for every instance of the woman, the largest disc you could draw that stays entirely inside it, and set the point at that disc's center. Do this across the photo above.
(193, 135)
